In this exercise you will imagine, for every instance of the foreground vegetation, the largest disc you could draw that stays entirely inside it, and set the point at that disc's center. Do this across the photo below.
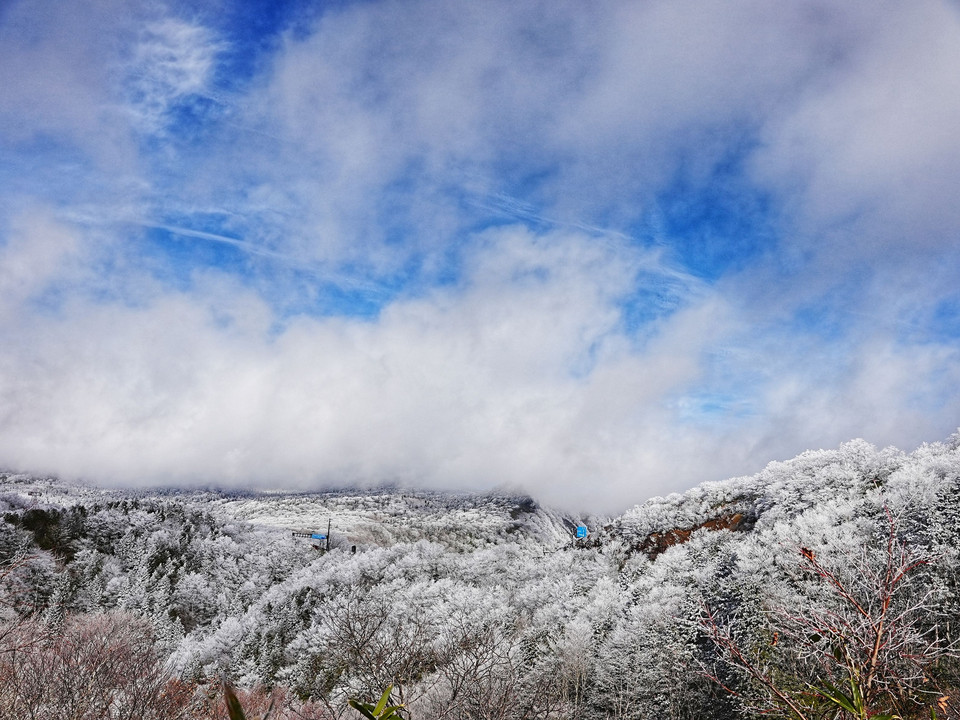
(822, 587)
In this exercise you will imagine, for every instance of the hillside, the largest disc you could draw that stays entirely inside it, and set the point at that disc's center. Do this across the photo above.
(483, 601)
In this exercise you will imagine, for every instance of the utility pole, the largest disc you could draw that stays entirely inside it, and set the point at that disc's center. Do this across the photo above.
(329, 523)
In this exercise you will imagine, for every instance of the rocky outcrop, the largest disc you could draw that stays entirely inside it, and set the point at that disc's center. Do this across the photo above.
(657, 542)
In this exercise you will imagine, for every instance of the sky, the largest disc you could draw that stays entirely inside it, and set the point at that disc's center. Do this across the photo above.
(591, 251)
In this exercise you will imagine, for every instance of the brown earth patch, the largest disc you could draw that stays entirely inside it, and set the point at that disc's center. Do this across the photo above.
(656, 543)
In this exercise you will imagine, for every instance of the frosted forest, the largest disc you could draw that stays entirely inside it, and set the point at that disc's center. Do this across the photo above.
(822, 587)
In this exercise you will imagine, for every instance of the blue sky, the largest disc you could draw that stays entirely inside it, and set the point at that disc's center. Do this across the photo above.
(595, 251)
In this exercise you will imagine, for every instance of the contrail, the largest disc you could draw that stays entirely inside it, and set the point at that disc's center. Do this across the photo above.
(372, 288)
(244, 245)
(340, 280)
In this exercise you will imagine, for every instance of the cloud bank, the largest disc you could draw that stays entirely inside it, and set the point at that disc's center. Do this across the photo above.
(597, 253)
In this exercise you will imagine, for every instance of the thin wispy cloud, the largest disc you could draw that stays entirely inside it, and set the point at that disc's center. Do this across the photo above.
(172, 62)
(598, 252)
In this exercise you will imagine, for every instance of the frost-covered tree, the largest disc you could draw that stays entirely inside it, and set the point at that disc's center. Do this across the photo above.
(861, 636)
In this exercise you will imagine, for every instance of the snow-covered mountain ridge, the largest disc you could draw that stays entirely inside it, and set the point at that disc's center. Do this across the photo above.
(365, 518)
(833, 485)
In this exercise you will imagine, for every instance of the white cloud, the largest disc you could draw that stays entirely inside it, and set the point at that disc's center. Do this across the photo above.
(171, 61)
(56, 70)
(521, 375)
(34, 256)
(872, 144)
(474, 386)
(377, 142)
(881, 390)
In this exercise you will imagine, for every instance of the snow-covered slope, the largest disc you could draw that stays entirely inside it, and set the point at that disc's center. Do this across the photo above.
(442, 583)
(388, 517)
